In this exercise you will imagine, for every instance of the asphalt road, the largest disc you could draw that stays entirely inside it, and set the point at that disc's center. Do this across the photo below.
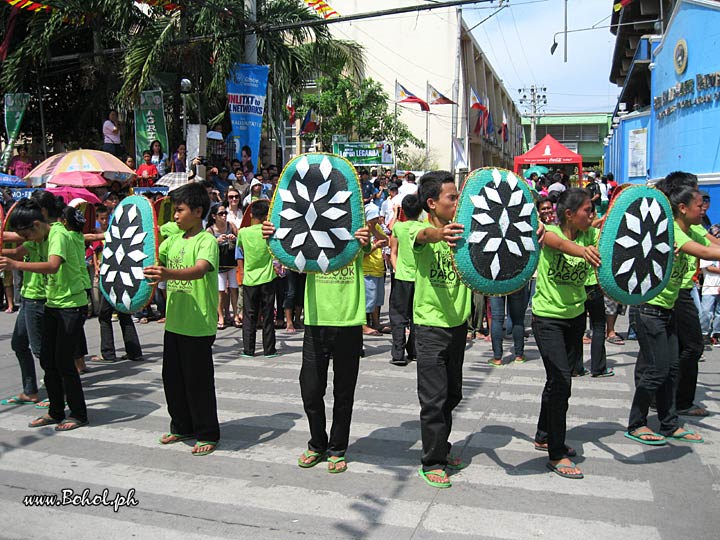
(251, 487)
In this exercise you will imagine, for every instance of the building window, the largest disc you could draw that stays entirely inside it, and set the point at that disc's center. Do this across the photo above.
(590, 133)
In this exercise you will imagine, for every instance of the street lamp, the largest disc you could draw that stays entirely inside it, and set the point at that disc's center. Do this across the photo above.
(185, 89)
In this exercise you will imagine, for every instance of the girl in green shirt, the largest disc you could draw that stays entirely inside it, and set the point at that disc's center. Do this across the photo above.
(656, 369)
(559, 318)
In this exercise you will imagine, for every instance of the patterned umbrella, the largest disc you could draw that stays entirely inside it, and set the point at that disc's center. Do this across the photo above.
(69, 193)
(8, 180)
(79, 179)
(81, 161)
(174, 180)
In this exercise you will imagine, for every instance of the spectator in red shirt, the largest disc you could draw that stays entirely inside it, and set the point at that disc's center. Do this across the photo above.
(147, 173)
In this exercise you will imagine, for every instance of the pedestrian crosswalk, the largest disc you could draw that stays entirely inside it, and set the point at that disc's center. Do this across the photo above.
(251, 486)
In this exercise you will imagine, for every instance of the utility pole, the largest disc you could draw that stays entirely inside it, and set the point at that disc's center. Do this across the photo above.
(251, 37)
(534, 99)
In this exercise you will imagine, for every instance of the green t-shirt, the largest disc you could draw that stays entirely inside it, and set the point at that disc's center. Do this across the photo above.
(170, 228)
(699, 235)
(561, 278)
(441, 299)
(337, 298)
(681, 267)
(258, 259)
(405, 266)
(191, 305)
(34, 285)
(66, 288)
(592, 274)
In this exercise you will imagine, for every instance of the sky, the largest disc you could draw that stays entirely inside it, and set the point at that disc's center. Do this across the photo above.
(517, 42)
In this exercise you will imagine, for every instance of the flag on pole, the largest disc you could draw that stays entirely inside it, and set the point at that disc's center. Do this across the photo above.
(621, 4)
(309, 123)
(476, 102)
(460, 157)
(436, 98)
(322, 8)
(291, 109)
(488, 126)
(504, 128)
(402, 95)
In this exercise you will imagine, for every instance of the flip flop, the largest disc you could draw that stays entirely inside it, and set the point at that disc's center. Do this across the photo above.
(437, 472)
(692, 411)
(70, 424)
(43, 404)
(615, 340)
(212, 445)
(649, 442)
(177, 438)
(334, 460)
(455, 463)
(373, 333)
(314, 457)
(15, 400)
(496, 363)
(681, 437)
(41, 421)
(559, 470)
(607, 373)
(542, 447)
(101, 360)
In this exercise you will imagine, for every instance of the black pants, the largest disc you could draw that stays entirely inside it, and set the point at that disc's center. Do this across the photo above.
(344, 345)
(107, 337)
(189, 381)
(691, 348)
(656, 368)
(595, 308)
(259, 300)
(560, 344)
(62, 334)
(441, 352)
(401, 307)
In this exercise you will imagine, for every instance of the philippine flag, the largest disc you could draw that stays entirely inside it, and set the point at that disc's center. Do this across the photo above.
(403, 96)
(436, 98)
(504, 128)
(309, 123)
(291, 109)
(475, 101)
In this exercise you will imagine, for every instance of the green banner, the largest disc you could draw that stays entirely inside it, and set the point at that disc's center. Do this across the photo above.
(150, 123)
(366, 153)
(15, 105)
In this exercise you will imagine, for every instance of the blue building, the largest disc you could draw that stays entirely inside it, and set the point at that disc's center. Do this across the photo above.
(668, 112)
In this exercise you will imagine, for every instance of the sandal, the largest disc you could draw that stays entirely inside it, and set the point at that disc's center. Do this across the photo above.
(100, 360)
(70, 424)
(44, 420)
(373, 333)
(543, 447)
(172, 438)
(520, 359)
(559, 469)
(615, 340)
(455, 463)
(333, 462)
(682, 436)
(314, 457)
(434, 483)
(692, 411)
(200, 444)
(16, 400)
(496, 362)
(44, 404)
(607, 372)
(638, 436)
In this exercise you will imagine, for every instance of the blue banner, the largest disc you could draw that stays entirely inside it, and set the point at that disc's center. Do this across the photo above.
(246, 90)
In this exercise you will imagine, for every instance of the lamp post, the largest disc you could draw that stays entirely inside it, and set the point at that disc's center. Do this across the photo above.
(534, 98)
(185, 89)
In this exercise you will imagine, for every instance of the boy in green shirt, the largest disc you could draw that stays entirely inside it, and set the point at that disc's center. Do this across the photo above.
(189, 265)
(441, 307)
(258, 283)
(402, 290)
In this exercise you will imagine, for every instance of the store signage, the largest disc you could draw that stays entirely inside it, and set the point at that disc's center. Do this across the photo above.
(704, 88)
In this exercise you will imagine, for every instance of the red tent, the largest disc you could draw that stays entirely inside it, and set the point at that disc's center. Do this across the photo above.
(549, 152)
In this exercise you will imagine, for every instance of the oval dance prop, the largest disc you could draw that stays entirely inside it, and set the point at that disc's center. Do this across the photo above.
(88, 212)
(130, 246)
(499, 251)
(636, 246)
(164, 211)
(316, 209)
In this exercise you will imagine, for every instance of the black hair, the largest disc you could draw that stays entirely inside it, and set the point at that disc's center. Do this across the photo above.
(101, 209)
(260, 209)
(147, 153)
(570, 199)
(431, 185)
(677, 193)
(247, 150)
(74, 220)
(53, 205)
(411, 206)
(675, 180)
(193, 195)
(24, 214)
(205, 184)
(610, 177)
(110, 112)
(541, 201)
(376, 184)
(410, 177)
(153, 144)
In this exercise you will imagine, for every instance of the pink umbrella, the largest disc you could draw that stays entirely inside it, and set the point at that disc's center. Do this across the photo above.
(80, 161)
(79, 179)
(69, 193)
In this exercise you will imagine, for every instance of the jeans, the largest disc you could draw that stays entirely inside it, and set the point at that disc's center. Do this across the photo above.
(107, 336)
(401, 311)
(26, 341)
(656, 368)
(441, 352)
(516, 305)
(690, 347)
(595, 307)
(62, 334)
(560, 344)
(320, 343)
(710, 315)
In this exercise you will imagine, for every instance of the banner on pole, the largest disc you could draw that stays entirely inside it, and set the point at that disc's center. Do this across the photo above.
(246, 91)
(15, 105)
(366, 153)
(150, 123)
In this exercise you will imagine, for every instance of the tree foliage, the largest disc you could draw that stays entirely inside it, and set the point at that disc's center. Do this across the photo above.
(360, 111)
